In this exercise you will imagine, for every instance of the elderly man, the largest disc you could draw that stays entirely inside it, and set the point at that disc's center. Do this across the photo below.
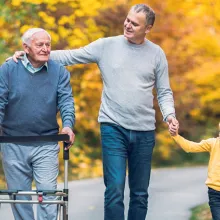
(31, 94)
(131, 66)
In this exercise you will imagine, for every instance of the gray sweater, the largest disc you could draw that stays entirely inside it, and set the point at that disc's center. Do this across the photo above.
(129, 73)
(29, 102)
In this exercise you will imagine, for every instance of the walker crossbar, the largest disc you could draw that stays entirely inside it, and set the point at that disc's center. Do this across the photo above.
(59, 202)
(32, 192)
(61, 194)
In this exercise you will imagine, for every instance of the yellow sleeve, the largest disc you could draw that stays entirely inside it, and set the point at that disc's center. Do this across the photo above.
(190, 146)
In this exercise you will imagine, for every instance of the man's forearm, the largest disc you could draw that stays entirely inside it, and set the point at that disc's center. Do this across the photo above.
(68, 116)
(71, 57)
(166, 103)
(90, 53)
(65, 99)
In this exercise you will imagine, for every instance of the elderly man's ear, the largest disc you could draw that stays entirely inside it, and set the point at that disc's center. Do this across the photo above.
(26, 48)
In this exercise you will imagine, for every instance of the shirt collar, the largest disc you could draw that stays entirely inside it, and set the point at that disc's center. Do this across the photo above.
(27, 64)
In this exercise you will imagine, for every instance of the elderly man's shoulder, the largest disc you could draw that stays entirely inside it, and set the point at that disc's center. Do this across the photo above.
(55, 64)
(9, 64)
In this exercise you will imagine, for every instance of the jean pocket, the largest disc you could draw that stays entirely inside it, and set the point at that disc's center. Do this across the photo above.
(148, 138)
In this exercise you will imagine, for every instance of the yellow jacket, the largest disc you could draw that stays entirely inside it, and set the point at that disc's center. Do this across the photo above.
(212, 146)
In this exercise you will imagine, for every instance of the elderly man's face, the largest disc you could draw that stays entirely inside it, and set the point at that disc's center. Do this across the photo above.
(135, 27)
(38, 51)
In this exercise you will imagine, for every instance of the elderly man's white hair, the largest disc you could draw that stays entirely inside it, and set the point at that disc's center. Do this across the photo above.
(26, 38)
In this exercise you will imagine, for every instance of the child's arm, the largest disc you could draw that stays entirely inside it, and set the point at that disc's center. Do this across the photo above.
(190, 146)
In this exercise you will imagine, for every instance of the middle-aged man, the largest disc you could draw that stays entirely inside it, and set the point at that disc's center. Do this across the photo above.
(131, 66)
(31, 93)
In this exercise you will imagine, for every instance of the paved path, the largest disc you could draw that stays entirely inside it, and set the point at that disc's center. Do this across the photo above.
(173, 191)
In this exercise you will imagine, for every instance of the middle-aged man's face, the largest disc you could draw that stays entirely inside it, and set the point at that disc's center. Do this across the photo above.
(135, 27)
(38, 50)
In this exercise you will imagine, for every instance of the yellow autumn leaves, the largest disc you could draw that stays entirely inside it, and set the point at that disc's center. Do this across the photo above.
(188, 31)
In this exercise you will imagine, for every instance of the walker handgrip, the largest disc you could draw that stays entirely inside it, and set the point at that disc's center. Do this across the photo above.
(29, 139)
(65, 152)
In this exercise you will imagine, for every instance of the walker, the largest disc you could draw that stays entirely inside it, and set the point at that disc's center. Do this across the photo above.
(62, 195)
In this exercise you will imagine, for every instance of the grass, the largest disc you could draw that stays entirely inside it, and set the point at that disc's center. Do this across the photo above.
(201, 212)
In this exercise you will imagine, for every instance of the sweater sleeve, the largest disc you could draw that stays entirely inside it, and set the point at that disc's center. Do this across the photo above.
(65, 99)
(88, 54)
(164, 92)
(190, 146)
(4, 90)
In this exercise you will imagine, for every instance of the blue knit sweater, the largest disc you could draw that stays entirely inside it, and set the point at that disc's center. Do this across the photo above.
(29, 102)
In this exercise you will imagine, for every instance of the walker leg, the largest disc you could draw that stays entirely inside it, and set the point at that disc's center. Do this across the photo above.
(59, 213)
(65, 214)
(65, 190)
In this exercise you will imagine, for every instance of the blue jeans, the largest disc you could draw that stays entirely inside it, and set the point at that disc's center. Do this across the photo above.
(214, 203)
(120, 146)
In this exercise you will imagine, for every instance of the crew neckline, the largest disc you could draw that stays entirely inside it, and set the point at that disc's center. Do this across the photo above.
(135, 45)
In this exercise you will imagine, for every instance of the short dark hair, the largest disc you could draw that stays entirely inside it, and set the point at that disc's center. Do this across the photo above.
(148, 11)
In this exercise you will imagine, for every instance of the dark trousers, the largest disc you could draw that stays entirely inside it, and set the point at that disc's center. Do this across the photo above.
(120, 147)
(214, 203)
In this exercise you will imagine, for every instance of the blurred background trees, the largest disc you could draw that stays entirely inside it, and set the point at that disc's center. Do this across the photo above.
(189, 33)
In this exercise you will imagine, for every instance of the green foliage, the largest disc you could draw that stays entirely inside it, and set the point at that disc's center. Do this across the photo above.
(201, 212)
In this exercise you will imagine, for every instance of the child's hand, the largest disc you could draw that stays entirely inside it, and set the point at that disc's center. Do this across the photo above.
(173, 132)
